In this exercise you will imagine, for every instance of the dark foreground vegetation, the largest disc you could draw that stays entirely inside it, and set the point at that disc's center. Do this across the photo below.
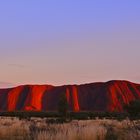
(70, 115)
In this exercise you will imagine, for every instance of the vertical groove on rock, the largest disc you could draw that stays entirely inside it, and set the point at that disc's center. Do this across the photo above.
(22, 98)
(44, 100)
(34, 101)
(13, 98)
(75, 98)
(68, 95)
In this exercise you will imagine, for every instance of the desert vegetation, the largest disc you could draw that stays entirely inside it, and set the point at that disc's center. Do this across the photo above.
(13, 128)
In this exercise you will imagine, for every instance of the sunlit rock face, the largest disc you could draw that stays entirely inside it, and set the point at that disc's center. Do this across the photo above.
(109, 96)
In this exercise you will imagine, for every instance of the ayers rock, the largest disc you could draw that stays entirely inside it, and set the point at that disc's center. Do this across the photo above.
(108, 96)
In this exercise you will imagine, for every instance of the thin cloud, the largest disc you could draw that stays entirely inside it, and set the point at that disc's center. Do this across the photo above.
(17, 65)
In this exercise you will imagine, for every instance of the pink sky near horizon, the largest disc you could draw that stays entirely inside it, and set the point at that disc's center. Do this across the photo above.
(71, 65)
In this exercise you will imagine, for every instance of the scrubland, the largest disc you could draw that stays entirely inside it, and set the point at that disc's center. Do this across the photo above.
(11, 128)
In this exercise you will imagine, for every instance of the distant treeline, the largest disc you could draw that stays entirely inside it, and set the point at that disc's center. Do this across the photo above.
(70, 115)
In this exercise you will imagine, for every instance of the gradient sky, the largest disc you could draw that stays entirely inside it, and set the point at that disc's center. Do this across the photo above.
(69, 41)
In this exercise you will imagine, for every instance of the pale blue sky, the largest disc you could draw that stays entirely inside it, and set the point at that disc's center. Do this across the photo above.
(64, 42)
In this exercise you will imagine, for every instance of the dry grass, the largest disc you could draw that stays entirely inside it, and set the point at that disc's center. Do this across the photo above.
(38, 129)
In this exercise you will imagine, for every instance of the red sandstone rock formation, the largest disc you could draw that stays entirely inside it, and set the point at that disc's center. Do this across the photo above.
(109, 96)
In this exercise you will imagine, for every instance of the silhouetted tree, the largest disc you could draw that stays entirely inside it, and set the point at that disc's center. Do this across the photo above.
(133, 108)
(63, 105)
